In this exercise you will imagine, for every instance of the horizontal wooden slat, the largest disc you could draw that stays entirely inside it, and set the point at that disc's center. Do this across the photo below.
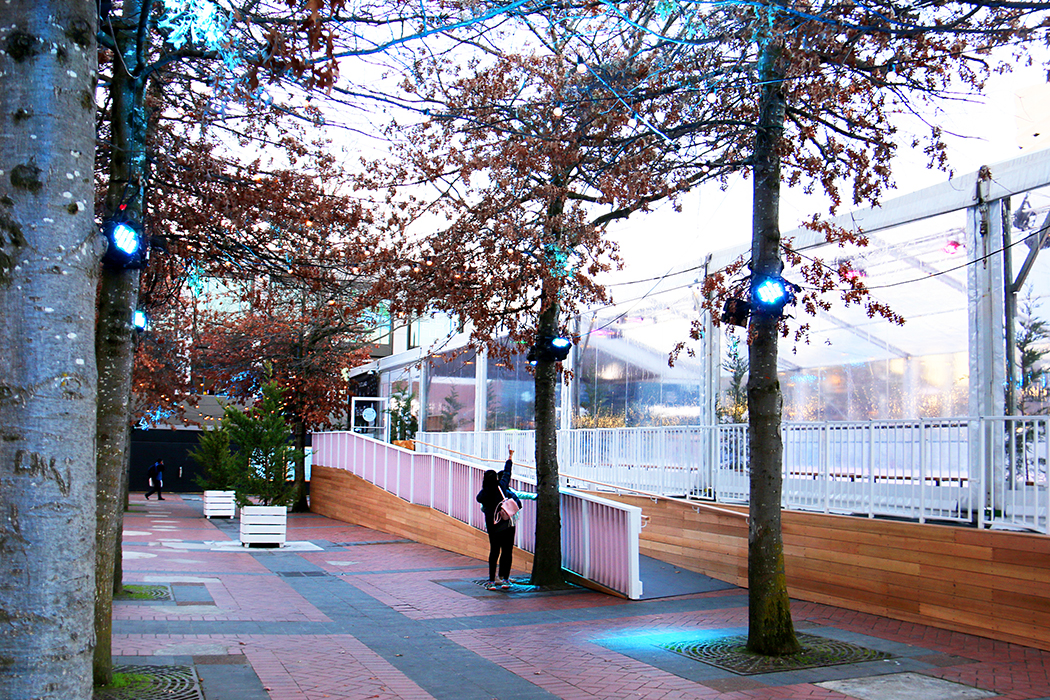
(267, 538)
(989, 583)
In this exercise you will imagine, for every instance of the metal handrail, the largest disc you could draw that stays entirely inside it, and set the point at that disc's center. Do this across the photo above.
(592, 526)
(942, 469)
(610, 487)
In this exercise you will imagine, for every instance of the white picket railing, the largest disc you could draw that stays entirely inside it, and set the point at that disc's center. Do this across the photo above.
(599, 536)
(1017, 495)
(992, 471)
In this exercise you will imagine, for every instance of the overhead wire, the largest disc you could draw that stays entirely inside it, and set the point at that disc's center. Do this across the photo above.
(928, 276)
(652, 293)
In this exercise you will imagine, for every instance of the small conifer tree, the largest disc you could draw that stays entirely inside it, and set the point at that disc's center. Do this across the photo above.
(220, 469)
(262, 451)
(1032, 351)
(403, 423)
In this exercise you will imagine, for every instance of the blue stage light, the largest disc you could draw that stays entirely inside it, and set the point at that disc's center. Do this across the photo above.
(140, 320)
(549, 349)
(560, 343)
(769, 295)
(126, 238)
(127, 248)
(771, 292)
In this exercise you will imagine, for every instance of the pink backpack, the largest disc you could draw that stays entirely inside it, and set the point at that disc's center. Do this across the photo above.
(507, 508)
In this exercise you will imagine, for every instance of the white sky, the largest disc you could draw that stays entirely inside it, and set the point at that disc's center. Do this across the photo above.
(712, 220)
(665, 241)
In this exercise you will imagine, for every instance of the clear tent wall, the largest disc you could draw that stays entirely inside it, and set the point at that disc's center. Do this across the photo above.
(872, 409)
(933, 268)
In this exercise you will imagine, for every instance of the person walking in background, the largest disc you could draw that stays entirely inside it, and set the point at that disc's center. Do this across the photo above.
(495, 487)
(156, 480)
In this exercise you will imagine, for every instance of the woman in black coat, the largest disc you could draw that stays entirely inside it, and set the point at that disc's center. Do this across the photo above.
(494, 488)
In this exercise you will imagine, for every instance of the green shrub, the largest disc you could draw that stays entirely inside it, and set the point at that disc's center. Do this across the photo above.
(261, 450)
(221, 471)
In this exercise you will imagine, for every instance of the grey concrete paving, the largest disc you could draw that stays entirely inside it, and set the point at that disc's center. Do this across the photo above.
(379, 617)
(906, 686)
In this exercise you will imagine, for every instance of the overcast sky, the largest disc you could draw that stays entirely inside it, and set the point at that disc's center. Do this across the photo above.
(712, 219)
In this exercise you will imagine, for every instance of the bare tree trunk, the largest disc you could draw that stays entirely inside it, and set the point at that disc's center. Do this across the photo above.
(546, 564)
(49, 253)
(118, 293)
(115, 336)
(118, 548)
(770, 628)
(300, 504)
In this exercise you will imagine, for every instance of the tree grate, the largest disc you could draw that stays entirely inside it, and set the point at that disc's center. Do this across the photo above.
(523, 586)
(153, 683)
(731, 654)
(137, 591)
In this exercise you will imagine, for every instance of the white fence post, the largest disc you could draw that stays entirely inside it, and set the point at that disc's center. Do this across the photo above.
(1046, 475)
(870, 462)
(981, 472)
(922, 470)
(825, 465)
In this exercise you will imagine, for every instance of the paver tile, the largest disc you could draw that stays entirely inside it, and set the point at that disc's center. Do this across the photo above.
(392, 628)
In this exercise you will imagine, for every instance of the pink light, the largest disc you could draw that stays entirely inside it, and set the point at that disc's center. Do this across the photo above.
(953, 247)
(853, 274)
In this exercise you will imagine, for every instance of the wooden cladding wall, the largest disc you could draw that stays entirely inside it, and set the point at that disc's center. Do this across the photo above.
(989, 583)
(338, 494)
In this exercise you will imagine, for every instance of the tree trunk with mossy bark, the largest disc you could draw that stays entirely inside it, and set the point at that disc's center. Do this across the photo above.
(546, 563)
(115, 335)
(49, 254)
(770, 628)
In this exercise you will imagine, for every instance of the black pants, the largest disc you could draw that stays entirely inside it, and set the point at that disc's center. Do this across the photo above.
(155, 488)
(501, 549)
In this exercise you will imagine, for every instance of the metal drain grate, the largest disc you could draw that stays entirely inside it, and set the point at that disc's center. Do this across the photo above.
(138, 591)
(731, 654)
(154, 683)
(297, 574)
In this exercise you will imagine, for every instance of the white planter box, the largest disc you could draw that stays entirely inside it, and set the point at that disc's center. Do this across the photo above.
(219, 504)
(264, 525)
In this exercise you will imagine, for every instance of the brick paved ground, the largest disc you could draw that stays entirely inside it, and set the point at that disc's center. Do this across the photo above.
(363, 614)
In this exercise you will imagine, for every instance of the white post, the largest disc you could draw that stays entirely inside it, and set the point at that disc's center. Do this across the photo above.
(411, 474)
(978, 474)
(424, 370)
(710, 382)
(585, 539)
(481, 375)
(871, 469)
(922, 470)
(825, 465)
(568, 391)
(1046, 466)
(448, 490)
(986, 336)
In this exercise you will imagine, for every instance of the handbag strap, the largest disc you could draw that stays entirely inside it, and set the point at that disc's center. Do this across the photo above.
(497, 516)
